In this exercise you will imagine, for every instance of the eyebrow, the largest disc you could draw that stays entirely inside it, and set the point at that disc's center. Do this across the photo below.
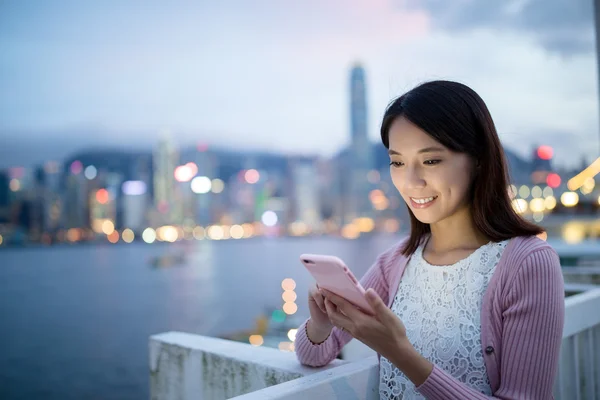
(424, 150)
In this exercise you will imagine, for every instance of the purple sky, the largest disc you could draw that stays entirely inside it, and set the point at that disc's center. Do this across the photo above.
(274, 74)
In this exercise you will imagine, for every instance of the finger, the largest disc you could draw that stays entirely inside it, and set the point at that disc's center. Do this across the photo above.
(381, 310)
(337, 319)
(318, 298)
(343, 305)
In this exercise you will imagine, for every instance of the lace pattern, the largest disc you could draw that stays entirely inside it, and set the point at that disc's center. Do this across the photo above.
(440, 307)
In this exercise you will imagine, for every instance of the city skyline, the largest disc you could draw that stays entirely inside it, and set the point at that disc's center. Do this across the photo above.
(273, 76)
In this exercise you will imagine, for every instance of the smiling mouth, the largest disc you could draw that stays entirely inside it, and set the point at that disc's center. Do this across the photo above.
(424, 200)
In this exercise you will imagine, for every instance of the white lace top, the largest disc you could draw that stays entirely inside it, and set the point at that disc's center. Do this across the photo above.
(440, 307)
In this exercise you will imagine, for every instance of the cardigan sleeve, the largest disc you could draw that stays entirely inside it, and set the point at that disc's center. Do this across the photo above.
(318, 355)
(532, 326)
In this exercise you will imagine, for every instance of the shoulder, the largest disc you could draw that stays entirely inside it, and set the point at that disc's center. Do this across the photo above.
(532, 264)
(390, 259)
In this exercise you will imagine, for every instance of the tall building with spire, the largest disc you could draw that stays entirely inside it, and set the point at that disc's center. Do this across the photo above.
(361, 157)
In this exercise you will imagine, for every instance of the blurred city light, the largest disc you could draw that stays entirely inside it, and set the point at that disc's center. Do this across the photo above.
(201, 185)
(128, 235)
(548, 191)
(236, 231)
(76, 167)
(545, 152)
(364, 224)
(588, 186)
(536, 192)
(350, 231)
(524, 191)
(167, 233)
(553, 180)
(108, 227)
(520, 205)
(134, 188)
(256, 340)
(269, 218)
(217, 185)
(183, 173)
(289, 296)
(102, 196)
(569, 199)
(288, 284)
(149, 235)
(573, 232)
(1, 240)
(113, 237)
(14, 185)
(290, 308)
(193, 168)
(248, 230)
(215, 232)
(292, 334)
(199, 233)
(90, 172)
(550, 202)
(577, 181)
(278, 316)
(252, 176)
(537, 205)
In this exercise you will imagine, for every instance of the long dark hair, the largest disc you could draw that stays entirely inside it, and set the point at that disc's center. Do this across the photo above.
(455, 116)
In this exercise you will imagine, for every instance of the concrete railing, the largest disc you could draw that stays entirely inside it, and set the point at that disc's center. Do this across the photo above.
(187, 367)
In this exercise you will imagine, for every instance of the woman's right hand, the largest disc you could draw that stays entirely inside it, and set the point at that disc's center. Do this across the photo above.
(319, 320)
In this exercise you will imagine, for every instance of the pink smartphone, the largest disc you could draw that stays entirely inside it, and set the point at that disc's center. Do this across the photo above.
(332, 274)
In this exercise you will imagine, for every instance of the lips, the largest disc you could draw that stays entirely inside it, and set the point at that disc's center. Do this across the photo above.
(422, 202)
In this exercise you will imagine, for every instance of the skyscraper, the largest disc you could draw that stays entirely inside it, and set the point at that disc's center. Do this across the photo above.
(361, 159)
(165, 192)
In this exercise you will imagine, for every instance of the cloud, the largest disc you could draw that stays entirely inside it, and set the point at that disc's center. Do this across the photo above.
(562, 26)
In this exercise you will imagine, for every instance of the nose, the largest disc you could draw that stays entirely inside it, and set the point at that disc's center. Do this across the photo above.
(413, 179)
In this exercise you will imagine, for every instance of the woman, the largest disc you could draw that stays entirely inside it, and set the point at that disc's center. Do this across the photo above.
(471, 305)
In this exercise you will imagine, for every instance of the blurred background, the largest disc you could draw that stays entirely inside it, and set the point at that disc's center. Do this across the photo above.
(164, 164)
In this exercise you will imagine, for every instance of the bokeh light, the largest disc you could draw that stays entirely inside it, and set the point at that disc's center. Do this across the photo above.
(252, 176)
(256, 340)
(90, 172)
(108, 227)
(128, 235)
(290, 308)
(201, 185)
(292, 334)
(269, 218)
(288, 284)
(217, 185)
(289, 296)
(520, 205)
(149, 235)
(113, 237)
(569, 199)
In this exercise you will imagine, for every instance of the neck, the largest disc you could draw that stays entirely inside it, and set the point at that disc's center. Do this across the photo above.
(456, 232)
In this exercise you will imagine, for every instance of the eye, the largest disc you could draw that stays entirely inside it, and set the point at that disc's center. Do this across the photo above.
(432, 162)
(396, 164)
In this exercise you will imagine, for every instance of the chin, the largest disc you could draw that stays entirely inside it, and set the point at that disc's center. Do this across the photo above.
(426, 217)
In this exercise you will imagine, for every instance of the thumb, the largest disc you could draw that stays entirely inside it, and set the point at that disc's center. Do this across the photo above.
(376, 303)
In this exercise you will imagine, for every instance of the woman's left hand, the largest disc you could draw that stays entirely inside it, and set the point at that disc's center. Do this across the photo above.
(382, 332)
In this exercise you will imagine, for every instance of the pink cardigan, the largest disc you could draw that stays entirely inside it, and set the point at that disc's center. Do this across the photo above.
(522, 320)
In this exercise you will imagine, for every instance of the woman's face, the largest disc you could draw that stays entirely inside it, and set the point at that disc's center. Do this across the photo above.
(433, 180)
